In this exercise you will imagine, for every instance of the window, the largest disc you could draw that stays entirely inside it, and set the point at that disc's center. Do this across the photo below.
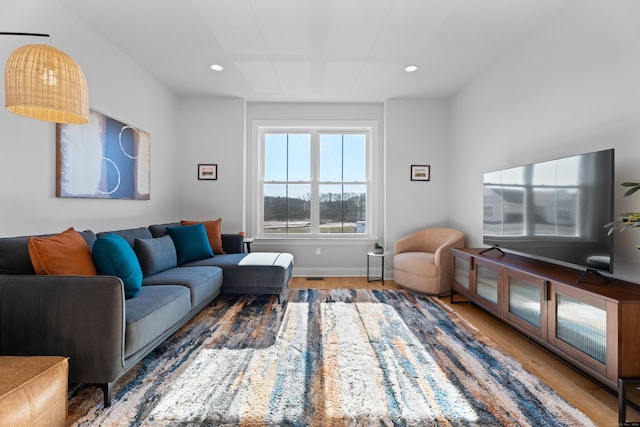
(342, 184)
(287, 183)
(315, 183)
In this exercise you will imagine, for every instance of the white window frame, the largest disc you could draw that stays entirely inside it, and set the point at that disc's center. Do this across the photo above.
(256, 181)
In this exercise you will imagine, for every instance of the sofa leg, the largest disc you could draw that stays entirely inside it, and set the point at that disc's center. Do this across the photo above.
(107, 391)
(282, 298)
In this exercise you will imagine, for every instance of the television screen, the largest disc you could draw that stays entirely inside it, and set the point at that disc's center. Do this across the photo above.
(556, 209)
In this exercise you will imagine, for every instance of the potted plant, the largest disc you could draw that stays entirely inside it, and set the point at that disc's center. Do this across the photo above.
(377, 248)
(626, 219)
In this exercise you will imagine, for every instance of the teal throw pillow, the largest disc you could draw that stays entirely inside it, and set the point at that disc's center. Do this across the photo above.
(113, 256)
(191, 241)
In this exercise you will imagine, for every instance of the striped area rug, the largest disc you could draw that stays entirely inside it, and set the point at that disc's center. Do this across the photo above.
(327, 358)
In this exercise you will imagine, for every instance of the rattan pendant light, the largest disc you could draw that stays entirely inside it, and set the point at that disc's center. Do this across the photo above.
(44, 83)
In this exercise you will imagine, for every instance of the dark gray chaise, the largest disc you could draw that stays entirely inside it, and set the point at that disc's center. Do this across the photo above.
(88, 319)
(255, 273)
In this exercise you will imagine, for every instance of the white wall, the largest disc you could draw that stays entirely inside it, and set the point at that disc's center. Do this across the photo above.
(571, 87)
(211, 130)
(117, 88)
(417, 133)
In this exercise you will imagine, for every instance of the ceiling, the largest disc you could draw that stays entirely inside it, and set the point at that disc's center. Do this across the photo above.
(314, 50)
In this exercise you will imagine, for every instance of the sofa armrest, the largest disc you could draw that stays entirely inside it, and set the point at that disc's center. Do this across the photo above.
(232, 243)
(82, 318)
(411, 243)
(457, 242)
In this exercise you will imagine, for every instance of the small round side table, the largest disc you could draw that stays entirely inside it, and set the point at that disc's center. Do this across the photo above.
(375, 255)
(247, 243)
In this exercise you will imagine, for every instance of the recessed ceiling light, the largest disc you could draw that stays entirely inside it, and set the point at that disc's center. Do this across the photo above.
(217, 67)
(410, 68)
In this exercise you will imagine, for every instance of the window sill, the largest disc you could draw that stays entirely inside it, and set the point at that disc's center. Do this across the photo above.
(310, 241)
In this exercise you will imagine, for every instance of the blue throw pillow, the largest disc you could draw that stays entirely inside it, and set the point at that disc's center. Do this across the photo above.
(113, 256)
(191, 241)
(155, 255)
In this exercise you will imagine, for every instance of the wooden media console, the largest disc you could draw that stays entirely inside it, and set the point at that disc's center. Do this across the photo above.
(590, 322)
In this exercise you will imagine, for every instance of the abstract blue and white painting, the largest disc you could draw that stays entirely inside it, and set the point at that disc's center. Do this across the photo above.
(104, 159)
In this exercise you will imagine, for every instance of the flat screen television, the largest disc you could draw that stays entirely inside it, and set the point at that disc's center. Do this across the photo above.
(555, 210)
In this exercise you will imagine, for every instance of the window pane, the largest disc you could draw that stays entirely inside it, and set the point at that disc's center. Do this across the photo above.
(287, 157)
(354, 158)
(299, 157)
(355, 207)
(275, 208)
(330, 158)
(343, 208)
(299, 208)
(275, 157)
(287, 208)
(331, 208)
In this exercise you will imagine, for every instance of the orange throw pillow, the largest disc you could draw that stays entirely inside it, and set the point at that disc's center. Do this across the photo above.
(66, 253)
(214, 233)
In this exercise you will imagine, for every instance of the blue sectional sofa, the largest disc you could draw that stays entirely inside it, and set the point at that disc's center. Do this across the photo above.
(102, 324)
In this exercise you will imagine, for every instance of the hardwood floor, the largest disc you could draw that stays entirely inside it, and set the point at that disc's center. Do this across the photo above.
(592, 399)
(339, 283)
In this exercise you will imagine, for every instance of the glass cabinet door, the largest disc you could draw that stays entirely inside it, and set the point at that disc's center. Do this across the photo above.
(579, 326)
(486, 285)
(461, 271)
(583, 326)
(462, 275)
(526, 304)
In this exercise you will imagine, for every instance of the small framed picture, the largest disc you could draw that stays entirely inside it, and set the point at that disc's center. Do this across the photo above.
(420, 172)
(208, 172)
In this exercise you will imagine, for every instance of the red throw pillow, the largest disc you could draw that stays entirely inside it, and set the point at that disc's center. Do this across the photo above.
(66, 253)
(214, 233)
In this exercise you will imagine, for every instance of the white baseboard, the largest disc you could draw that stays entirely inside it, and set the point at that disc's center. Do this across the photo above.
(338, 272)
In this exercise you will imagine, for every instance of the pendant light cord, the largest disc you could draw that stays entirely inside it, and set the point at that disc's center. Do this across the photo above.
(3, 33)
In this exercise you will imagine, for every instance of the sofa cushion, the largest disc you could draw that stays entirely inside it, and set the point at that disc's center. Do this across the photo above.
(191, 242)
(231, 243)
(155, 255)
(14, 256)
(130, 234)
(14, 253)
(214, 233)
(204, 283)
(66, 253)
(159, 230)
(154, 311)
(113, 256)
(421, 264)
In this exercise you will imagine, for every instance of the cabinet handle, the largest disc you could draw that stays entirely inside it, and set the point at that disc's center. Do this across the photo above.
(546, 290)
